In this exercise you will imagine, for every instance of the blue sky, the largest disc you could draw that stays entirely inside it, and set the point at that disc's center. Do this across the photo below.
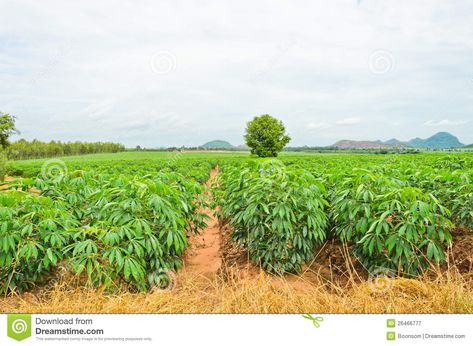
(162, 73)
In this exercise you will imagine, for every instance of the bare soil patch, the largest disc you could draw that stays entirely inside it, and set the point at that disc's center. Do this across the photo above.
(332, 265)
(9, 180)
(5, 182)
(203, 256)
(461, 254)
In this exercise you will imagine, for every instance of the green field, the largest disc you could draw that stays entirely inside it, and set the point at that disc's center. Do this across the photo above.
(124, 220)
(151, 161)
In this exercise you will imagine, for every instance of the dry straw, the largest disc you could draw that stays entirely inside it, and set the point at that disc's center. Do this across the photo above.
(445, 293)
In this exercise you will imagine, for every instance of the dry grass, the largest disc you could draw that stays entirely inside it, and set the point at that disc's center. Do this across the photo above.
(263, 294)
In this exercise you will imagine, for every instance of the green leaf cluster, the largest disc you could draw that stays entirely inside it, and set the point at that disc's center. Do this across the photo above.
(266, 136)
(277, 213)
(112, 230)
(32, 238)
(391, 225)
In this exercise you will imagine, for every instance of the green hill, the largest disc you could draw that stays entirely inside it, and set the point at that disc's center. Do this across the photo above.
(217, 144)
(441, 140)
(394, 141)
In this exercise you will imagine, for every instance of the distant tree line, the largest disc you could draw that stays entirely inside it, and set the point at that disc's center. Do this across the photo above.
(184, 148)
(307, 148)
(24, 150)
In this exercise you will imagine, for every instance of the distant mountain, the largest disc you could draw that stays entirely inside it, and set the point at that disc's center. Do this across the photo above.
(394, 141)
(348, 144)
(469, 146)
(417, 142)
(441, 140)
(218, 144)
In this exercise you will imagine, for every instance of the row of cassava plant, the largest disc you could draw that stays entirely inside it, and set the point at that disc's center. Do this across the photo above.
(448, 178)
(276, 212)
(282, 214)
(391, 225)
(172, 162)
(111, 230)
(33, 234)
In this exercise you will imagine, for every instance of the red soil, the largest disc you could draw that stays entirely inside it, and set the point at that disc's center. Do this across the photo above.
(203, 256)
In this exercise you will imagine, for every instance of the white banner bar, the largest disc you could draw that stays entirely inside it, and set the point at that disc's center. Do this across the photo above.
(235, 329)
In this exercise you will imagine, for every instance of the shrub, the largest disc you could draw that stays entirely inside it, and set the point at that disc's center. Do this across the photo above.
(134, 229)
(32, 238)
(276, 212)
(112, 230)
(391, 225)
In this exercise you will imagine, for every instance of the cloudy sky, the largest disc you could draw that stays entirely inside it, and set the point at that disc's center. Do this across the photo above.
(162, 73)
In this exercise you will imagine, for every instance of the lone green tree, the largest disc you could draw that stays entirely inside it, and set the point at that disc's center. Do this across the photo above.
(266, 136)
(7, 128)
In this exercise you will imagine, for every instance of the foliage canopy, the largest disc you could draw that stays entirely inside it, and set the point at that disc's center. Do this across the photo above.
(266, 136)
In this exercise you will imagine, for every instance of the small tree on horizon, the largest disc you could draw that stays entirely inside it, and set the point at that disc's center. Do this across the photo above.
(266, 136)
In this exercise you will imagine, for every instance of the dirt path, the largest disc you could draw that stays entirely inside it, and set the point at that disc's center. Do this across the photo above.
(203, 256)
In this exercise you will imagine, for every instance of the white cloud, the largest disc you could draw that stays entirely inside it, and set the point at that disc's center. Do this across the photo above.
(318, 125)
(348, 121)
(99, 109)
(92, 74)
(445, 122)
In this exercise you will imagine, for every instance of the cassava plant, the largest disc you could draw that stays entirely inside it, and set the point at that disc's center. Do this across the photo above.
(133, 229)
(391, 225)
(33, 234)
(111, 230)
(277, 213)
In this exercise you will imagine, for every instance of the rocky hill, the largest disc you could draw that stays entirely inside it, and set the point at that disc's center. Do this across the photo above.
(441, 140)
(217, 144)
